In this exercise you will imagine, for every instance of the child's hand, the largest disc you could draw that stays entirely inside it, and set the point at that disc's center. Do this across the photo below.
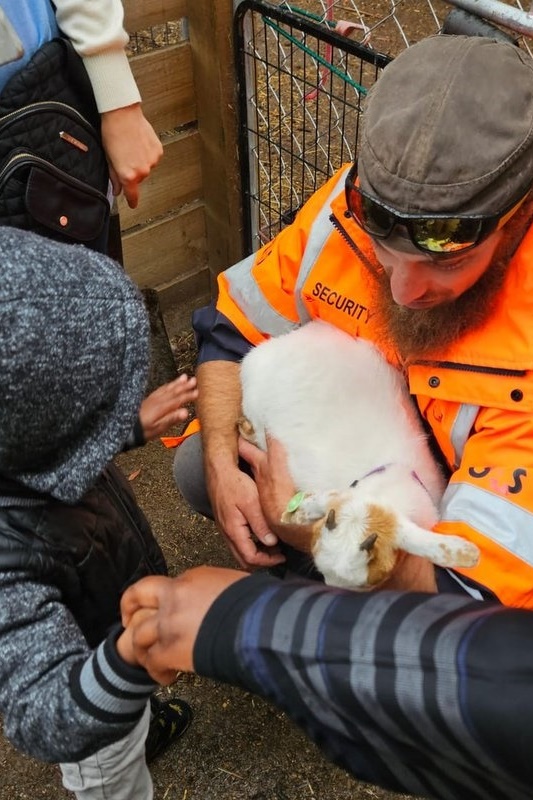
(125, 647)
(163, 615)
(164, 407)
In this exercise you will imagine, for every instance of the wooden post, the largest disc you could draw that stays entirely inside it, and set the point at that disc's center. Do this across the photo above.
(211, 38)
(162, 364)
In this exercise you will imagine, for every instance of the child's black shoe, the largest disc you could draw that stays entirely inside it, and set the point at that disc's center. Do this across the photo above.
(169, 720)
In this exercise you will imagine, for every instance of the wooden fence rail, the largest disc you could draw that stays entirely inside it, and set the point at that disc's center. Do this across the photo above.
(187, 226)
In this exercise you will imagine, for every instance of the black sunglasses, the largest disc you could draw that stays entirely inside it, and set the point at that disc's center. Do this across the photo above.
(438, 234)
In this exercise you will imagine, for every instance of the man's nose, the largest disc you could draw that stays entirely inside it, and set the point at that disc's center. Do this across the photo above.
(408, 282)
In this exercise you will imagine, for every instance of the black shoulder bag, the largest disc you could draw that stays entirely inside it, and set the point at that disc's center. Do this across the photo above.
(53, 170)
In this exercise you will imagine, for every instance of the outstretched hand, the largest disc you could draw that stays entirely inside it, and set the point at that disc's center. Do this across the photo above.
(162, 617)
(164, 407)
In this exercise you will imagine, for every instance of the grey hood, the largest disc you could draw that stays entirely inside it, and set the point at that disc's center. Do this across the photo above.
(74, 358)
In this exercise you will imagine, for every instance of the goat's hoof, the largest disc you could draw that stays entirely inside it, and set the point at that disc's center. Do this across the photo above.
(469, 555)
(246, 429)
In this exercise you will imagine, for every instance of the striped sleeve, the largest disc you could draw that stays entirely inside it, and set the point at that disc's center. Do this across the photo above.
(409, 692)
(52, 682)
(107, 688)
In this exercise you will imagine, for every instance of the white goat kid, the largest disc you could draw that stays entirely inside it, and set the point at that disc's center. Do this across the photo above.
(358, 455)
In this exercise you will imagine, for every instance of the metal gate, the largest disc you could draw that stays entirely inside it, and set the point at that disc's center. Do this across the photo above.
(303, 73)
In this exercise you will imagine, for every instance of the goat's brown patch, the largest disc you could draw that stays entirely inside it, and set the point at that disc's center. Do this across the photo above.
(384, 554)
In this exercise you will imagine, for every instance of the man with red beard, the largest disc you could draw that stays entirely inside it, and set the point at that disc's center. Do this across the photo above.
(424, 247)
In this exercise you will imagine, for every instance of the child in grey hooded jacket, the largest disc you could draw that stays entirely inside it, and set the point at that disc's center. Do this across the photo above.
(74, 344)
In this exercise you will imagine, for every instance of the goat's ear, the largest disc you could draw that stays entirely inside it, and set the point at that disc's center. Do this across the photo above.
(442, 550)
(311, 508)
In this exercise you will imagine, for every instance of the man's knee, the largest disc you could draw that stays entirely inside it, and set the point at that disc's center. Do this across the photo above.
(188, 459)
(189, 474)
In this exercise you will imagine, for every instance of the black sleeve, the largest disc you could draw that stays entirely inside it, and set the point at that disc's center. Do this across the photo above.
(425, 694)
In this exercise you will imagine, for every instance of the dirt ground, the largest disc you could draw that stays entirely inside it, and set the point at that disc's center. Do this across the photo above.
(239, 747)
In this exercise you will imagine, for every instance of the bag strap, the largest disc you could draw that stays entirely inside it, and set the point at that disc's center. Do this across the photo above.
(54, 72)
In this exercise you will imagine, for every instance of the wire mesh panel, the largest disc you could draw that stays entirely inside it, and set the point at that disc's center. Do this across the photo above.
(301, 86)
(303, 73)
(392, 25)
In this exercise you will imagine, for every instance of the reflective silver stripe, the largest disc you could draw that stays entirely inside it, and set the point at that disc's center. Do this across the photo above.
(496, 517)
(247, 294)
(466, 416)
(318, 235)
(244, 290)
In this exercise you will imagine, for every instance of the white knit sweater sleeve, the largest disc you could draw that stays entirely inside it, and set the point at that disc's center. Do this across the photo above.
(96, 30)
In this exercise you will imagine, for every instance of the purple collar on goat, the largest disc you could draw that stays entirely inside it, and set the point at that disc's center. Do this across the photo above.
(382, 469)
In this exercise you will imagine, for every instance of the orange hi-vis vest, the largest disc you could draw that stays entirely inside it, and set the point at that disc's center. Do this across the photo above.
(477, 398)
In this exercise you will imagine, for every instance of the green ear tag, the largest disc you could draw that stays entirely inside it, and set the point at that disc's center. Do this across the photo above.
(295, 501)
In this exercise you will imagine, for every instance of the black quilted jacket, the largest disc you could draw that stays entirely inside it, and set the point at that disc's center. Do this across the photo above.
(91, 551)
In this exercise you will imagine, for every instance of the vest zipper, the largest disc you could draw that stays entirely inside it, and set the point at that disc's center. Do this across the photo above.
(458, 367)
(341, 230)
